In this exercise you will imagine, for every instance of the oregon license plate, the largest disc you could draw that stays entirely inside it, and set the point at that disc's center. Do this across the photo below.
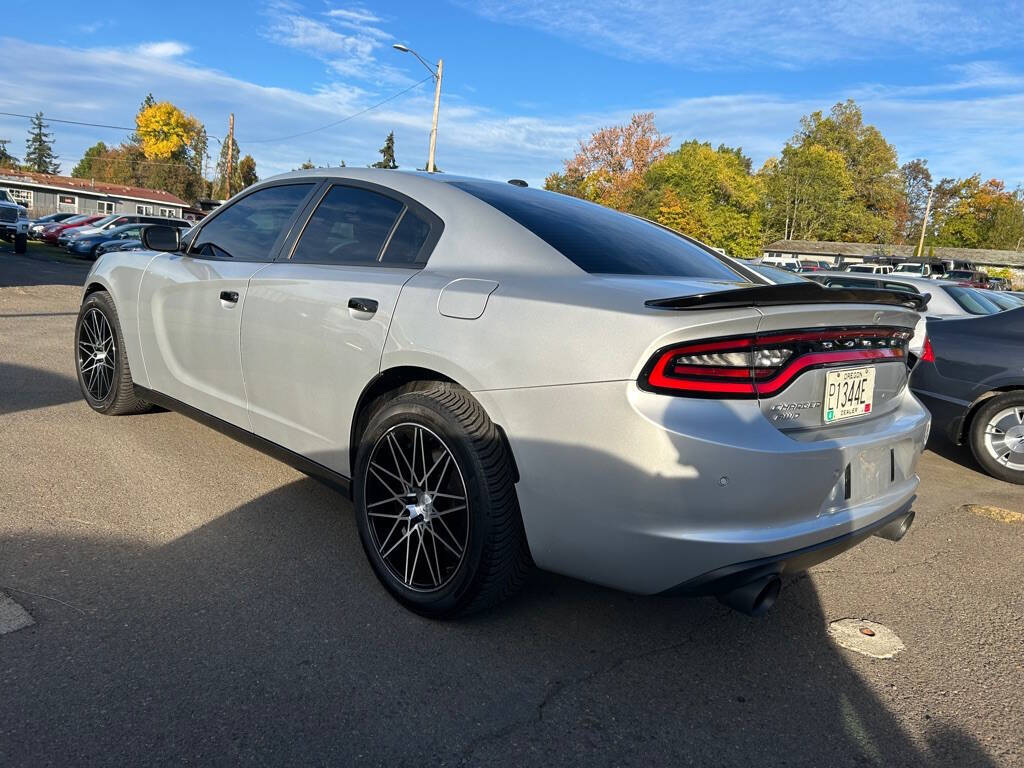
(848, 393)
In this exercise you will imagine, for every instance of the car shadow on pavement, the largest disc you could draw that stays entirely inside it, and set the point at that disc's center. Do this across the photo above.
(942, 446)
(24, 388)
(263, 637)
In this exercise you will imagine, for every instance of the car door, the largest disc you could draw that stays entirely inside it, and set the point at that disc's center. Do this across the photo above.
(315, 321)
(190, 302)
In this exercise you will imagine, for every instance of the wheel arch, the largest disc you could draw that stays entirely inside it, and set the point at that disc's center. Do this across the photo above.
(963, 429)
(405, 377)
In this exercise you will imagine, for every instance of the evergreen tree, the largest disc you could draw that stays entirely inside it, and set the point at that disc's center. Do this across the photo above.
(387, 154)
(88, 167)
(39, 156)
(7, 160)
(247, 171)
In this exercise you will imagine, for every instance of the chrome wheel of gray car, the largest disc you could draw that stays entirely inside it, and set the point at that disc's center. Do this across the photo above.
(1004, 437)
(417, 507)
(97, 354)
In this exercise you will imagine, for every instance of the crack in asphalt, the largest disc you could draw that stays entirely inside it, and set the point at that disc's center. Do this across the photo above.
(558, 687)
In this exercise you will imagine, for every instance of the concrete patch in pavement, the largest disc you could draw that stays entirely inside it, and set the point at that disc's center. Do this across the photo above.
(866, 637)
(12, 616)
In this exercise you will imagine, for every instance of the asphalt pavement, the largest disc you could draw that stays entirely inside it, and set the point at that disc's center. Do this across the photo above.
(194, 602)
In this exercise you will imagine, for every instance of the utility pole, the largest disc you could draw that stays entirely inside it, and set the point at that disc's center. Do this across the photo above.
(924, 224)
(437, 104)
(231, 152)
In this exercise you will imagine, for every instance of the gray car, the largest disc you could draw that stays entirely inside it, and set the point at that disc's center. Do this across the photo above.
(503, 376)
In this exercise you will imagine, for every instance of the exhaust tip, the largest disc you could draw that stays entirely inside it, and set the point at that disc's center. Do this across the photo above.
(755, 598)
(897, 529)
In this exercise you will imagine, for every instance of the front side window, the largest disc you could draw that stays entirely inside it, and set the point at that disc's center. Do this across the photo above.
(350, 226)
(248, 229)
(600, 240)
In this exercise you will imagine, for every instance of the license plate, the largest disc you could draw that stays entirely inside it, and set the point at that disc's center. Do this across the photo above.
(848, 393)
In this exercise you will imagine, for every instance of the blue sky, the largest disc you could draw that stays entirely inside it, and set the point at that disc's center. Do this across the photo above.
(523, 81)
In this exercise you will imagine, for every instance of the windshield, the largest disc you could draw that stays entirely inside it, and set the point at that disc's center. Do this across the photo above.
(915, 269)
(4, 197)
(600, 240)
(972, 301)
(960, 274)
(861, 268)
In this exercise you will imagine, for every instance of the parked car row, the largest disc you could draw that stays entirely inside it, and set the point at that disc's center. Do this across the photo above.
(84, 234)
(951, 269)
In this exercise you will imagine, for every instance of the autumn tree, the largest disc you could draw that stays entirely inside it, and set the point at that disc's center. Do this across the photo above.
(871, 165)
(610, 166)
(917, 185)
(39, 155)
(387, 154)
(247, 171)
(306, 166)
(969, 213)
(807, 192)
(706, 193)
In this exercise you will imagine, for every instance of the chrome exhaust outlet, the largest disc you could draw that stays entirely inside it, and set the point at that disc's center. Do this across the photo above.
(754, 598)
(897, 529)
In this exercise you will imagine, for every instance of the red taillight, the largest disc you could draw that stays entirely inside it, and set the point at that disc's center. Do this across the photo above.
(928, 354)
(762, 366)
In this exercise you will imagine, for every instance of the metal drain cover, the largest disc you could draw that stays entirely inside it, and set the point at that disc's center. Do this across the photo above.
(866, 637)
(12, 616)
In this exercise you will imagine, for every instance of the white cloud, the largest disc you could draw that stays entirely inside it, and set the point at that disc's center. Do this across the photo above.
(167, 49)
(978, 127)
(345, 39)
(706, 34)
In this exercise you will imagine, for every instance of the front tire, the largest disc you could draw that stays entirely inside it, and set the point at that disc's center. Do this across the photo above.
(997, 436)
(436, 504)
(100, 359)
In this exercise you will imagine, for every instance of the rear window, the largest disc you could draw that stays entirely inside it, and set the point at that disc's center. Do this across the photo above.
(971, 300)
(600, 240)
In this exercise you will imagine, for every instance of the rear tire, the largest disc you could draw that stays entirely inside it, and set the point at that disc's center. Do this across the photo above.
(20, 243)
(473, 551)
(997, 436)
(100, 359)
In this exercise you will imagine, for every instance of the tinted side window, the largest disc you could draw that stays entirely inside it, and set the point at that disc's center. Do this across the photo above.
(248, 229)
(407, 241)
(598, 239)
(349, 226)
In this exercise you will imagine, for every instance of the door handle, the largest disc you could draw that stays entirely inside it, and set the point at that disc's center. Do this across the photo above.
(363, 305)
(231, 297)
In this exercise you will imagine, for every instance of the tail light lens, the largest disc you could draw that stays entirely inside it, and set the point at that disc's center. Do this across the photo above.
(762, 366)
(928, 354)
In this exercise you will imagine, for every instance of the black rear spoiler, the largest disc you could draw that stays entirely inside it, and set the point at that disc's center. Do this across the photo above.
(793, 293)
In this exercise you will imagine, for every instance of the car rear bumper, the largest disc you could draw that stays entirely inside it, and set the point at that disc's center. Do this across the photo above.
(646, 492)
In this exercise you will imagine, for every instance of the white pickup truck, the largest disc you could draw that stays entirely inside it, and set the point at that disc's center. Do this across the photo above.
(13, 222)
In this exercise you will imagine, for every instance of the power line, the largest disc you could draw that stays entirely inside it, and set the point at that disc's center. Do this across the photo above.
(345, 119)
(354, 115)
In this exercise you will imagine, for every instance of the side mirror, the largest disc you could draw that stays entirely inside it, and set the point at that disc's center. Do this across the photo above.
(161, 238)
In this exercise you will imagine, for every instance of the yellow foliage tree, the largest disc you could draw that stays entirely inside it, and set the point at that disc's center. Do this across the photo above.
(164, 130)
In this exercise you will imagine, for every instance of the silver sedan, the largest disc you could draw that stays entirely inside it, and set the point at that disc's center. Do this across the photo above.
(502, 376)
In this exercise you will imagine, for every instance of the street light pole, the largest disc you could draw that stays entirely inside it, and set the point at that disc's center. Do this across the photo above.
(436, 74)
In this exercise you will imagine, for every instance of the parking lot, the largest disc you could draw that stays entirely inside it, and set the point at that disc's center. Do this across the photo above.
(196, 602)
